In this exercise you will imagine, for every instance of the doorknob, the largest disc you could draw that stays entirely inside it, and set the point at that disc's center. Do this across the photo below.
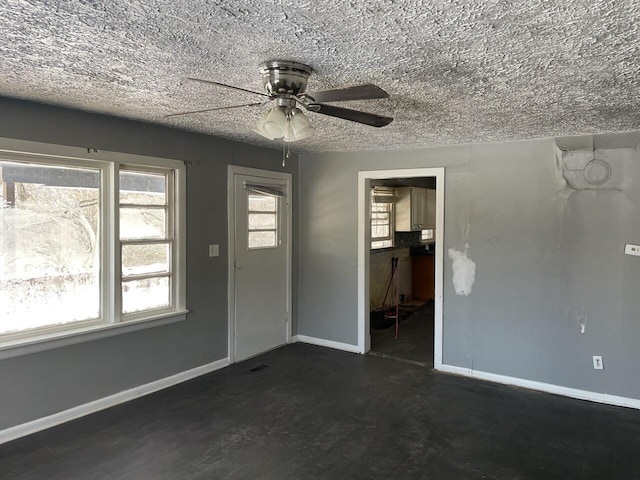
(238, 265)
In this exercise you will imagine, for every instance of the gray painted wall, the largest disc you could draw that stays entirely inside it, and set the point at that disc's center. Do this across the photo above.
(544, 255)
(43, 383)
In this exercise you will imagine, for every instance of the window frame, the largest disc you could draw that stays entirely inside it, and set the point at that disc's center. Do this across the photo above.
(111, 320)
(391, 212)
(170, 239)
(275, 213)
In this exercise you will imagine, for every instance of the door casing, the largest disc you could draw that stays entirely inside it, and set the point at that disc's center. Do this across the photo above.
(364, 241)
(232, 171)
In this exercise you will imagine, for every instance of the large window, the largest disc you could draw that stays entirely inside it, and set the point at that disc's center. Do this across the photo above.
(50, 245)
(86, 243)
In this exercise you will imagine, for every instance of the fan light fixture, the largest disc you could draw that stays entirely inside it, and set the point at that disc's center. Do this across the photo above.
(285, 87)
(288, 124)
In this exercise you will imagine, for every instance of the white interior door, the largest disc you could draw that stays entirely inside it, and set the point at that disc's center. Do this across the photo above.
(261, 282)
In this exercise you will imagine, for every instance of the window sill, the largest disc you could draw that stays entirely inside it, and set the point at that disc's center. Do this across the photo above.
(25, 346)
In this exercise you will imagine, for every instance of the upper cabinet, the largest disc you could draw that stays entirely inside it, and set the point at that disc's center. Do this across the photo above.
(415, 209)
(431, 208)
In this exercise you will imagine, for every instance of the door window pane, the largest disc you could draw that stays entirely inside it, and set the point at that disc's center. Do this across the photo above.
(146, 294)
(49, 245)
(262, 239)
(262, 219)
(262, 203)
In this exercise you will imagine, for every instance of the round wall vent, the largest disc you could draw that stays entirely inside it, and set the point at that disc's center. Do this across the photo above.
(597, 172)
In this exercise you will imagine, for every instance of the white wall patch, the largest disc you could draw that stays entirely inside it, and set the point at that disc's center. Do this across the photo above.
(464, 271)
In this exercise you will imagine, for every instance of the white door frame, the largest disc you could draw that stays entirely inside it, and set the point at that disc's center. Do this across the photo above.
(364, 240)
(232, 171)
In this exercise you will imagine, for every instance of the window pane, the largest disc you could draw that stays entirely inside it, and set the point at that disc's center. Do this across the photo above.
(380, 215)
(143, 223)
(49, 245)
(143, 188)
(145, 259)
(380, 232)
(262, 203)
(147, 294)
(262, 239)
(426, 234)
(381, 228)
(261, 221)
(382, 244)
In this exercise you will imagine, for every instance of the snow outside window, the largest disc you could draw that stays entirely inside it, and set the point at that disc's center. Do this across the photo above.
(50, 245)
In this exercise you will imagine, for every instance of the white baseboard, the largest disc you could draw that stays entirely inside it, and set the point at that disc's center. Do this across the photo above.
(325, 343)
(106, 402)
(544, 387)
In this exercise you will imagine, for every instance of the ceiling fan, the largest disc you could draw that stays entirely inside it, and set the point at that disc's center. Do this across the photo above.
(285, 84)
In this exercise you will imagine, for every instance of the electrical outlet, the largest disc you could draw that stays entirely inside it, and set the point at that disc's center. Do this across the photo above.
(214, 250)
(632, 249)
(597, 362)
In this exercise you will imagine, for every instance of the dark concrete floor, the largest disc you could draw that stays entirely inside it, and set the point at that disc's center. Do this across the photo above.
(415, 339)
(316, 413)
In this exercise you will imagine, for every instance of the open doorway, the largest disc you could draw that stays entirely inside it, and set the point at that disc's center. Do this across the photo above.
(401, 268)
(401, 217)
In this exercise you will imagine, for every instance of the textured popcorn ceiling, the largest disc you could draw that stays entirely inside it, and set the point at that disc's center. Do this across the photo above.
(457, 71)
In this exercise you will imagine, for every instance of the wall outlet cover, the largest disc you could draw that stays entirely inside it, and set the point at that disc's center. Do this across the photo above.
(214, 250)
(630, 249)
(597, 362)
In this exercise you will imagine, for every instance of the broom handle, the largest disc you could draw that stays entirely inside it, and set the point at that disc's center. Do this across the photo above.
(393, 270)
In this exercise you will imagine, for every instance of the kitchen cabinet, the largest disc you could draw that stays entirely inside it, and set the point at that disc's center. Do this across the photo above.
(415, 209)
(422, 277)
(431, 208)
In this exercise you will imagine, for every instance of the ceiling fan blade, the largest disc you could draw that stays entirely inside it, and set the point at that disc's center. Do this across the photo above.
(254, 104)
(226, 86)
(366, 91)
(351, 115)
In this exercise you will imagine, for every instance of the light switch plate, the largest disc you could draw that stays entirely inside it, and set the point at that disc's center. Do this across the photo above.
(632, 249)
(214, 250)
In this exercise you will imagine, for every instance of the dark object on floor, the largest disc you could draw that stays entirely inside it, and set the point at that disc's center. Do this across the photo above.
(258, 368)
(378, 320)
(318, 413)
(381, 320)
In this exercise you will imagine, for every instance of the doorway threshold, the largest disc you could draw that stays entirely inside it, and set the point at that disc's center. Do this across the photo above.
(399, 359)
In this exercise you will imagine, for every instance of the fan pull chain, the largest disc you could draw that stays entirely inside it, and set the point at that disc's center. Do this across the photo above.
(286, 153)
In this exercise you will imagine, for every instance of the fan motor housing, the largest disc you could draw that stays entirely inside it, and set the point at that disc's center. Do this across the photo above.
(284, 77)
